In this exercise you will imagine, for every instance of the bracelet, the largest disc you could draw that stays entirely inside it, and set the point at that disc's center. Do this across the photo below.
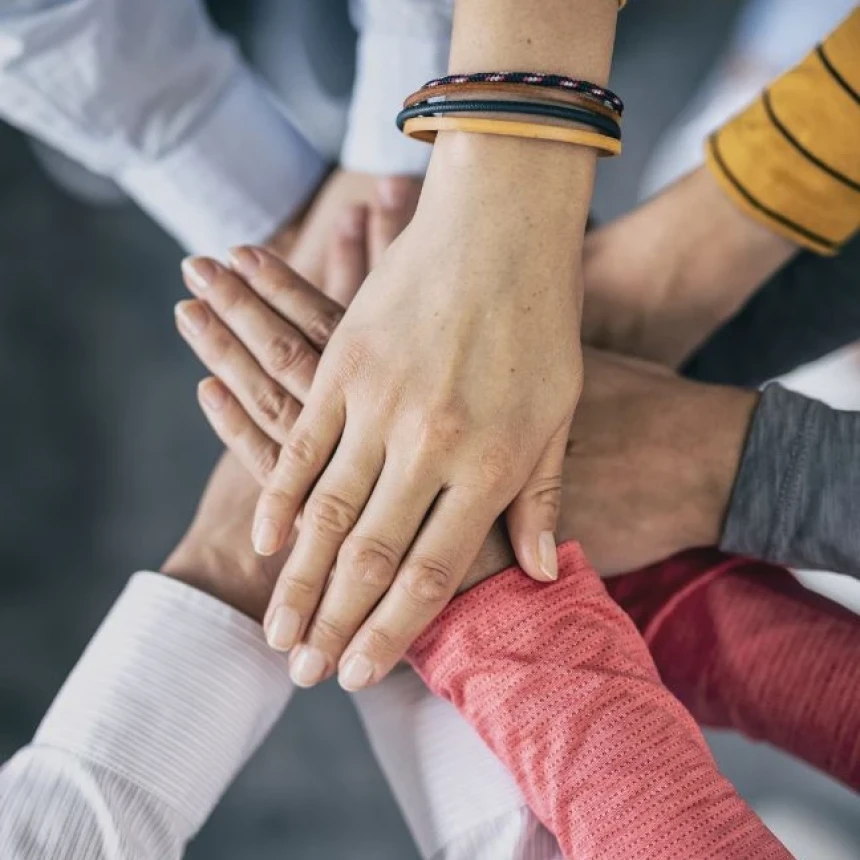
(522, 91)
(533, 79)
(425, 128)
(570, 114)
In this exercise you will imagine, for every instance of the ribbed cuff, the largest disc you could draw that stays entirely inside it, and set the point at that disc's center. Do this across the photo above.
(175, 692)
(243, 172)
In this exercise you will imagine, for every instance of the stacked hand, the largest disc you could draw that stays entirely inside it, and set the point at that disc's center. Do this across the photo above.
(636, 484)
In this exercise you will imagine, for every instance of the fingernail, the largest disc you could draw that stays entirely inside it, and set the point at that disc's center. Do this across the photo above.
(244, 260)
(191, 316)
(199, 271)
(548, 555)
(355, 673)
(308, 666)
(212, 394)
(391, 193)
(267, 537)
(282, 628)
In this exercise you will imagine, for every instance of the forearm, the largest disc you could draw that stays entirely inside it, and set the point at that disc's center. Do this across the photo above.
(605, 756)
(797, 688)
(795, 500)
(154, 96)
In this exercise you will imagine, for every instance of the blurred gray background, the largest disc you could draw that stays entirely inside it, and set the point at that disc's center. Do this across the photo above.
(103, 453)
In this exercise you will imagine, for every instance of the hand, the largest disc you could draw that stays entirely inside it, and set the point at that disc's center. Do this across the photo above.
(459, 403)
(661, 279)
(340, 206)
(214, 556)
(651, 462)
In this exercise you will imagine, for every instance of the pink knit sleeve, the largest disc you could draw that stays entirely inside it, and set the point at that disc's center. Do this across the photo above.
(745, 646)
(560, 685)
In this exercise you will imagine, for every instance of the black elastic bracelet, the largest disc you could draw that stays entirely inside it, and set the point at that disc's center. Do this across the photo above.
(572, 114)
(535, 79)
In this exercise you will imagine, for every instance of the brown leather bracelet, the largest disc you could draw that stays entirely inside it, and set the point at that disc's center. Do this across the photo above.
(505, 90)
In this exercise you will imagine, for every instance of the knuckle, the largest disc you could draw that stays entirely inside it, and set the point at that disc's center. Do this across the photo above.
(330, 514)
(295, 590)
(370, 561)
(429, 581)
(271, 402)
(320, 327)
(380, 645)
(547, 494)
(330, 631)
(299, 451)
(444, 427)
(265, 459)
(494, 464)
(284, 353)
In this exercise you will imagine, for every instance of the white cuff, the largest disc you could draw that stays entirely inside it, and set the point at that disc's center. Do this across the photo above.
(174, 692)
(389, 66)
(241, 174)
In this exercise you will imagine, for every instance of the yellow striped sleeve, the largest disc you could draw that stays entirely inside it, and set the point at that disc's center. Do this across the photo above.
(792, 159)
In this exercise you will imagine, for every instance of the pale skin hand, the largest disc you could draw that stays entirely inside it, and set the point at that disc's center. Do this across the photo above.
(649, 467)
(660, 280)
(401, 458)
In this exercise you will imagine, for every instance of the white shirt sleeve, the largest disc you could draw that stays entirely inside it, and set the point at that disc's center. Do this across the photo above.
(151, 94)
(169, 700)
(402, 44)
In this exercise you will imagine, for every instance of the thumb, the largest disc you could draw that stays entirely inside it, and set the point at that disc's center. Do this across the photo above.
(533, 514)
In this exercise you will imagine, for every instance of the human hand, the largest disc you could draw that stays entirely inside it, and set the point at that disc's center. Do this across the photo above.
(340, 206)
(661, 279)
(459, 404)
(651, 462)
(214, 555)
(239, 355)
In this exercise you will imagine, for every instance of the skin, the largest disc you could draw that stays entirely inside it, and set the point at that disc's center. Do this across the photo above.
(663, 278)
(653, 457)
(447, 392)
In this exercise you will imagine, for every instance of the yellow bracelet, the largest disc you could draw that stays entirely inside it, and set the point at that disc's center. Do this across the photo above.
(425, 128)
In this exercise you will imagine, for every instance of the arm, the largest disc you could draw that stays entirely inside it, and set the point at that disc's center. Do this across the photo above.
(798, 687)
(172, 696)
(558, 683)
(150, 94)
(795, 499)
(781, 176)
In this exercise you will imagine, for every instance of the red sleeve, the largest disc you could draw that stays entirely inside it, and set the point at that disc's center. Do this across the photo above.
(745, 646)
(560, 685)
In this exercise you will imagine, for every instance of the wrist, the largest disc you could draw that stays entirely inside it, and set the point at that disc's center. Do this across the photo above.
(513, 183)
(244, 587)
(725, 416)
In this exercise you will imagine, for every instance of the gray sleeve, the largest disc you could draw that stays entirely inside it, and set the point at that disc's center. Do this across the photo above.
(796, 499)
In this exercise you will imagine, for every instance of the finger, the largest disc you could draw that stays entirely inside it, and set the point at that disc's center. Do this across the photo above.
(346, 262)
(332, 510)
(279, 348)
(314, 314)
(396, 199)
(269, 406)
(366, 566)
(236, 429)
(533, 515)
(436, 565)
(304, 455)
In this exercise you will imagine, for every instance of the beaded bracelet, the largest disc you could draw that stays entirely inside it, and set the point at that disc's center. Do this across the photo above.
(426, 127)
(521, 91)
(541, 109)
(533, 79)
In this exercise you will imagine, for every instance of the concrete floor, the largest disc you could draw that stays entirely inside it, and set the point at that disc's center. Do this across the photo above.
(103, 455)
